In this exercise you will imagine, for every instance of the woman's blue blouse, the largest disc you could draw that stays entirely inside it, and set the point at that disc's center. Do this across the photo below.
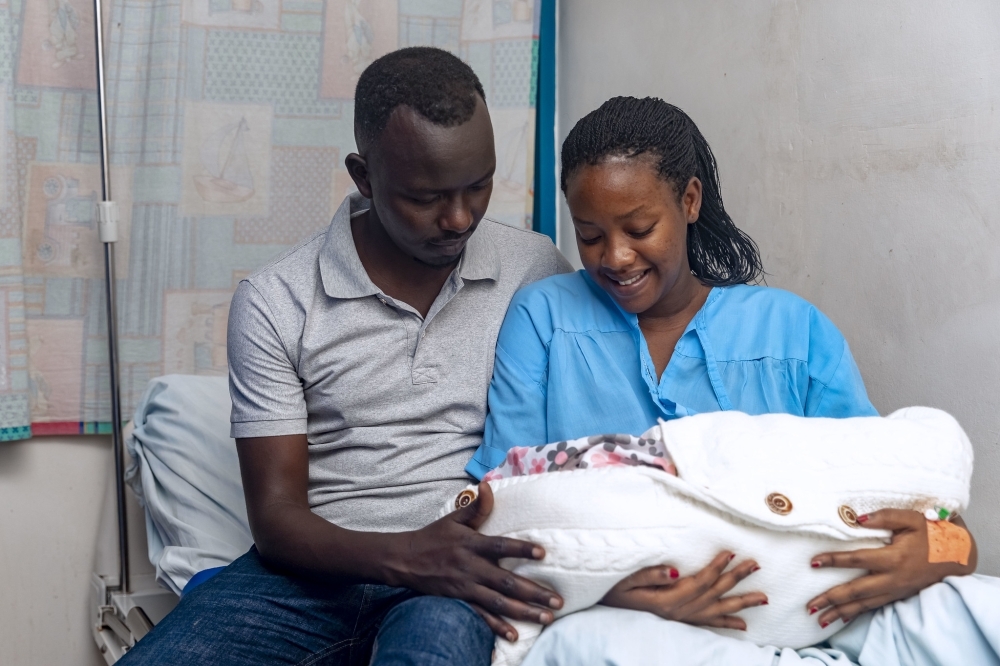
(571, 363)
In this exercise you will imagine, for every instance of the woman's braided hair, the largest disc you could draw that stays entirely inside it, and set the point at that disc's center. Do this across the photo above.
(719, 253)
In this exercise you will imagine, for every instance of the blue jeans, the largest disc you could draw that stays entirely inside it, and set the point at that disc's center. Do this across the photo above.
(249, 615)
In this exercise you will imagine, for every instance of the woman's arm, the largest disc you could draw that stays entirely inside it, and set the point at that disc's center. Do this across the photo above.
(897, 571)
(517, 396)
(900, 569)
(836, 389)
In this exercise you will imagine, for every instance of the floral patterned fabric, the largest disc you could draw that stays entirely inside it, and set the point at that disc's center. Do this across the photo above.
(586, 452)
(228, 125)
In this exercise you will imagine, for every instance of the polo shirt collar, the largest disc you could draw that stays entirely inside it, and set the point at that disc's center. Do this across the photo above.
(344, 276)
(479, 259)
(339, 264)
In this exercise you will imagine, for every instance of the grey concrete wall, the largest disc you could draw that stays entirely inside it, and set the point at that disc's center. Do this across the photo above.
(859, 144)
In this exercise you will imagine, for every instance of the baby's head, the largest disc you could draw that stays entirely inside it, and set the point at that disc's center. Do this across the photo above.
(643, 189)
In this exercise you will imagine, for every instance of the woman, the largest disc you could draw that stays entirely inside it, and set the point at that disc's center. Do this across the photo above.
(661, 323)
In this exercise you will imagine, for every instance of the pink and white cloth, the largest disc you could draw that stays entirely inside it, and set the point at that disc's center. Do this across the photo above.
(591, 452)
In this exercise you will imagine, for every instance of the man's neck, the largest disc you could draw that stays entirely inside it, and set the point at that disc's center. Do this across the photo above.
(396, 273)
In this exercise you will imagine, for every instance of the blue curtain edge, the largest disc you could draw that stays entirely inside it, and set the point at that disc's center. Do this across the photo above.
(544, 211)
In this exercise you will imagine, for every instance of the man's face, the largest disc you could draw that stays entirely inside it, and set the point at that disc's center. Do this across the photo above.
(430, 185)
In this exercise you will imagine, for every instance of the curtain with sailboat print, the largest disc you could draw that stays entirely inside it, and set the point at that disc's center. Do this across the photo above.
(229, 121)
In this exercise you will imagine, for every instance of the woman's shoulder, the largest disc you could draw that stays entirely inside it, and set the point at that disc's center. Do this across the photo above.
(568, 302)
(757, 321)
(751, 295)
(762, 304)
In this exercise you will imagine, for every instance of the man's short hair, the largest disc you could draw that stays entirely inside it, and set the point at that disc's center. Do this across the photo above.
(434, 83)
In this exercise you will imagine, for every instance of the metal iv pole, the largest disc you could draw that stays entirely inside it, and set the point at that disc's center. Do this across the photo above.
(108, 230)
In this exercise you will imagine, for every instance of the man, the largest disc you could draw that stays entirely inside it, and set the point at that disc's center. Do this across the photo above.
(359, 368)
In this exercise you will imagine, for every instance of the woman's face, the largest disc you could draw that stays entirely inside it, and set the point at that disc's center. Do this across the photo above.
(632, 232)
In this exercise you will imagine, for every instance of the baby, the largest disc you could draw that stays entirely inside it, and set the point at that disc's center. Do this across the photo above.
(775, 488)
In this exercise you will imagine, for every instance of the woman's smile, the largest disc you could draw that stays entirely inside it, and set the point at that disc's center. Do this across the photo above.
(625, 287)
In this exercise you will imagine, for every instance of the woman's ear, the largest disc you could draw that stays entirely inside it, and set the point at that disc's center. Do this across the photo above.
(691, 200)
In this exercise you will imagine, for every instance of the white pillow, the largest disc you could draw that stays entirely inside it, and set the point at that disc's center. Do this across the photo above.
(186, 475)
(775, 488)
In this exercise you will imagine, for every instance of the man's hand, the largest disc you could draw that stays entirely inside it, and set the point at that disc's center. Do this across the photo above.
(693, 599)
(897, 571)
(447, 558)
(450, 558)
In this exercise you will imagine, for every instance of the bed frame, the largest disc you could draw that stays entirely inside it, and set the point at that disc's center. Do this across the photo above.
(119, 615)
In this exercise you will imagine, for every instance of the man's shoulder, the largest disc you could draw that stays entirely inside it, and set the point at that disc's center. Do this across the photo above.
(515, 242)
(295, 268)
(524, 254)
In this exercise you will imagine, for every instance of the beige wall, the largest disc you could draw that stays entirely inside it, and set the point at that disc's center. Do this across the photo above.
(859, 144)
(51, 490)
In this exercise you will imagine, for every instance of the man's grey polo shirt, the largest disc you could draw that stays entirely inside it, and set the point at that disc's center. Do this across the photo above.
(393, 404)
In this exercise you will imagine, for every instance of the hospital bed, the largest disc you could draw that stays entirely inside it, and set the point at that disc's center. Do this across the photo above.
(185, 513)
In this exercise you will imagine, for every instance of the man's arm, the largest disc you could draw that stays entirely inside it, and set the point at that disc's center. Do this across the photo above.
(446, 558)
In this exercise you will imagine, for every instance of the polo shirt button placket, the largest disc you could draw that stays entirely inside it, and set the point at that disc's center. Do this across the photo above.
(422, 374)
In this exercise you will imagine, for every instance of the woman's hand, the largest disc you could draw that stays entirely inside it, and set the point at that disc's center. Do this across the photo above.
(897, 571)
(694, 599)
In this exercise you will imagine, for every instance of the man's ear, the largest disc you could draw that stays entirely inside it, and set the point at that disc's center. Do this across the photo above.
(358, 168)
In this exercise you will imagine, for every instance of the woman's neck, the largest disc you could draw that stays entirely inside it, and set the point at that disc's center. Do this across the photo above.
(664, 323)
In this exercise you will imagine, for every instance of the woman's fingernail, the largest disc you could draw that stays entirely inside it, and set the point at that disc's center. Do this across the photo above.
(755, 568)
(863, 518)
(824, 625)
(731, 556)
(815, 564)
(813, 610)
(847, 620)
(763, 603)
(674, 573)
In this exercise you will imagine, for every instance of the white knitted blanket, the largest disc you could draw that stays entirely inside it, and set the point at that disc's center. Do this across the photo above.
(776, 488)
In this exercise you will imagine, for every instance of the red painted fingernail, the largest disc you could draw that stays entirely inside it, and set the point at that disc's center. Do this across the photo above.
(824, 625)
(763, 603)
(847, 620)
(815, 565)
(731, 556)
(863, 518)
(674, 573)
(755, 569)
(813, 611)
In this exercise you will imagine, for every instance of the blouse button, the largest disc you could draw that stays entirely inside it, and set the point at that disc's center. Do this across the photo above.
(848, 515)
(464, 499)
(779, 504)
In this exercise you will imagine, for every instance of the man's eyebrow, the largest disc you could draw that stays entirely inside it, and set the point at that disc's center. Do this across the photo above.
(430, 190)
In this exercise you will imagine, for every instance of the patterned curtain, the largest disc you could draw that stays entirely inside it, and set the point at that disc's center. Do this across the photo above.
(229, 121)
